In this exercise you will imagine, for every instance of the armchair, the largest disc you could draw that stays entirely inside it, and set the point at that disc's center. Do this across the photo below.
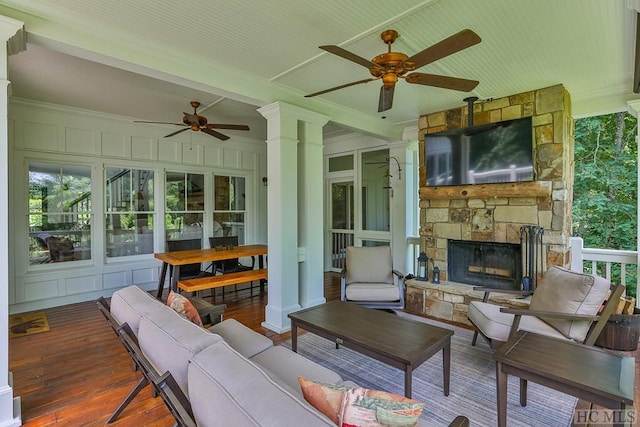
(369, 279)
(566, 305)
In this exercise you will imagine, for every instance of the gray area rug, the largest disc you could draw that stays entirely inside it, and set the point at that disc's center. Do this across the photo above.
(473, 384)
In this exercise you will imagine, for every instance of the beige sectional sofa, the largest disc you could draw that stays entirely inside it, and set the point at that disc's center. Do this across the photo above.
(231, 374)
(228, 374)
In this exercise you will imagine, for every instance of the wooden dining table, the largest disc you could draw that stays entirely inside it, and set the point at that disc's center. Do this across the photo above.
(175, 259)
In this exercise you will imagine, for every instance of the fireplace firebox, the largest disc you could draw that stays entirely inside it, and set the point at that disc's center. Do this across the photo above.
(496, 265)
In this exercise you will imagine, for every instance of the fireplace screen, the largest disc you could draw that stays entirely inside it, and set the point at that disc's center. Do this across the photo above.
(496, 265)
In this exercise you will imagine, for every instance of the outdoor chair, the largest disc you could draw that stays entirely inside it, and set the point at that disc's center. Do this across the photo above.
(369, 279)
(229, 265)
(566, 305)
(188, 271)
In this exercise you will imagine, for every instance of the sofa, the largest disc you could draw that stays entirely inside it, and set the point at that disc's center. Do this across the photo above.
(230, 374)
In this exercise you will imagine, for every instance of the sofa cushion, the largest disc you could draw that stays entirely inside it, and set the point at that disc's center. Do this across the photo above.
(566, 291)
(183, 307)
(245, 340)
(224, 385)
(168, 340)
(497, 325)
(361, 406)
(372, 292)
(129, 304)
(371, 264)
(287, 366)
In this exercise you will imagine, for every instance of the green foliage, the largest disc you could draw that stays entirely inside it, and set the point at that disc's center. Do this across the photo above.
(606, 183)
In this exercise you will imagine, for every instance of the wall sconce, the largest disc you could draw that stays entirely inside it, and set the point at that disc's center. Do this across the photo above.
(264, 181)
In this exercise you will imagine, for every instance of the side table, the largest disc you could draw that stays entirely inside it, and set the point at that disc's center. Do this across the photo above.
(598, 376)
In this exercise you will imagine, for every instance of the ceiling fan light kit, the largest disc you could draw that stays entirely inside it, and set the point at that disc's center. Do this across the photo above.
(195, 122)
(391, 66)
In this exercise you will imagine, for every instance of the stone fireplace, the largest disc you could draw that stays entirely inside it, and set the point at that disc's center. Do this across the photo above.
(495, 213)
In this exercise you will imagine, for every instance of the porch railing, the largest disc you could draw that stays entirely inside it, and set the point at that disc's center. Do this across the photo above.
(615, 265)
(339, 242)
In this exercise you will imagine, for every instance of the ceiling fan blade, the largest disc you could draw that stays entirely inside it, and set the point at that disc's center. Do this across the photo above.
(386, 98)
(175, 133)
(215, 134)
(337, 50)
(158, 123)
(234, 127)
(341, 87)
(445, 82)
(455, 43)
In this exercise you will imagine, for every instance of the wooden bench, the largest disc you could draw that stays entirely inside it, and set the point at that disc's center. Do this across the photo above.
(212, 282)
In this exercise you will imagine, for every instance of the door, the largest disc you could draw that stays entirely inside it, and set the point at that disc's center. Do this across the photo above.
(341, 219)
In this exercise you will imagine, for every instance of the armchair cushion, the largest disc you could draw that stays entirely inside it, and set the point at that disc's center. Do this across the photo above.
(496, 325)
(566, 291)
(370, 264)
(372, 292)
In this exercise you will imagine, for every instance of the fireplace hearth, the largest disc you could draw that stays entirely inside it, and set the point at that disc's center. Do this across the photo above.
(496, 265)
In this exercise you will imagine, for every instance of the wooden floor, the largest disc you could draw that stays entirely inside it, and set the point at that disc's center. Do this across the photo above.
(77, 373)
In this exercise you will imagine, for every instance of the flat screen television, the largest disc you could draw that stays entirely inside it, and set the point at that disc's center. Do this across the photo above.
(488, 153)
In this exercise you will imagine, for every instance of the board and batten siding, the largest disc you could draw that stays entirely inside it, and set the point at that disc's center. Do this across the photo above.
(52, 133)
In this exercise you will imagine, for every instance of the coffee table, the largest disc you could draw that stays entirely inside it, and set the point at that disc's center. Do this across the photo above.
(398, 342)
(598, 376)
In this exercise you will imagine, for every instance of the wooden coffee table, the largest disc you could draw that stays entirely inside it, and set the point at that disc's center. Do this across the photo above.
(598, 376)
(398, 342)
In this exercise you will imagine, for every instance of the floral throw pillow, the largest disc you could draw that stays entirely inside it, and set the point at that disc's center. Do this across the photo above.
(183, 307)
(348, 407)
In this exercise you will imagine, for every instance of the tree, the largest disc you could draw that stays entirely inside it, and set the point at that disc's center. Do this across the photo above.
(606, 182)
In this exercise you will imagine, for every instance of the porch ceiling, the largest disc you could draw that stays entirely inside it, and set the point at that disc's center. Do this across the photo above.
(147, 59)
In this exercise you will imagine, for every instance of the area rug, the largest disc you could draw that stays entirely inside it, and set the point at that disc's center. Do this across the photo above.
(472, 389)
(23, 324)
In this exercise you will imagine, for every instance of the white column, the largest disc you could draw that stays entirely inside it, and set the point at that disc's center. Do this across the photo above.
(282, 215)
(634, 108)
(11, 41)
(311, 210)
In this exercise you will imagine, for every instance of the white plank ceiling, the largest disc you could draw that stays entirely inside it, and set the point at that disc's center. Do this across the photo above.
(146, 59)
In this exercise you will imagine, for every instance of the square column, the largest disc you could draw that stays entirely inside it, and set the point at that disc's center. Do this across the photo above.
(295, 215)
(282, 215)
(12, 40)
(311, 211)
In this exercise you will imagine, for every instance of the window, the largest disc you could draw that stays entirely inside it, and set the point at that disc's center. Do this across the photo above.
(59, 213)
(229, 210)
(129, 211)
(341, 163)
(184, 215)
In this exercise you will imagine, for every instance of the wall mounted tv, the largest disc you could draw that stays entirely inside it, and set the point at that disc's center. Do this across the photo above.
(488, 153)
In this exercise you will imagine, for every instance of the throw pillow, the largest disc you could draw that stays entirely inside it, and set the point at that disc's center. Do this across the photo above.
(326, 398)
(348, 406)
(183, 307)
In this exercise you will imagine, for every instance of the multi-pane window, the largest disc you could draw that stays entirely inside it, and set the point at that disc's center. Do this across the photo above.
(184, 215)
(59, 212)
(129, 211)
(230, 208)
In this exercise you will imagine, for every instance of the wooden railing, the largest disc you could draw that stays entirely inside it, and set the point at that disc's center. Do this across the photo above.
(614, 265)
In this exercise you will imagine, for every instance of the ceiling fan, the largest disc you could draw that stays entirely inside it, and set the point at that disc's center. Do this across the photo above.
(197, 122)
(391, 66)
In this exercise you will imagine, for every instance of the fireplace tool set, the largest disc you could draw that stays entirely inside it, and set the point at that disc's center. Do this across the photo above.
(531, 242)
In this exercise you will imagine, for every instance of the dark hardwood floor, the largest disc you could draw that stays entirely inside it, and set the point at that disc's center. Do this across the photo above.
(77, 373)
